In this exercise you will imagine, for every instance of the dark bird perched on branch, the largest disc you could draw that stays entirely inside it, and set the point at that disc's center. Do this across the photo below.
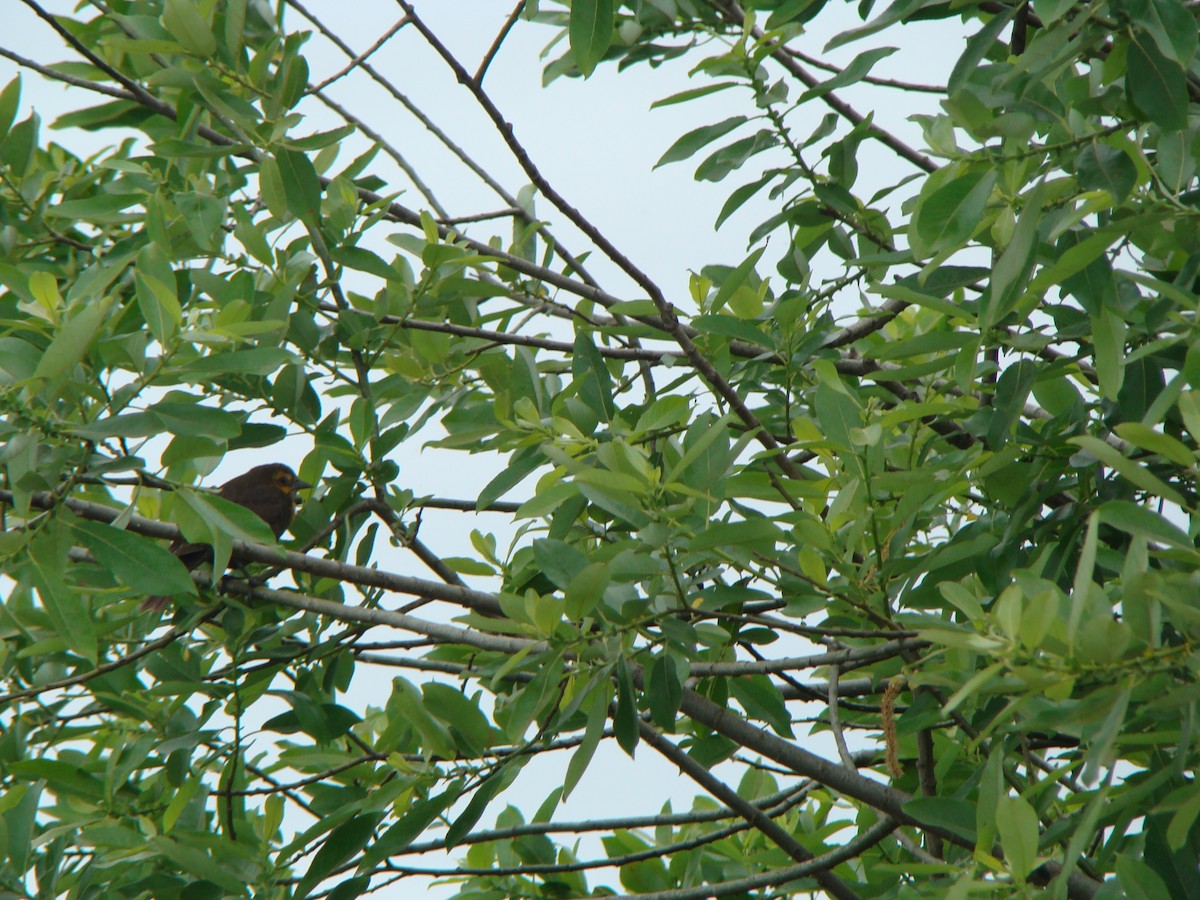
(268, 491)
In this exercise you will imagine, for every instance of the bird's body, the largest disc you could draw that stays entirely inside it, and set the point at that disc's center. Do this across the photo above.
(268, 491)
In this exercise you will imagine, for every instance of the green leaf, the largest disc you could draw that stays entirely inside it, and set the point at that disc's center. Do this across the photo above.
(1170, 24)
(365, 261)
(414, 820)
(253, 361)
(517, 469)
(342, 843)
(159, 306)
(897, 12)
(1017, 823)
(1127, 468)
(590, 32)
(597, 717)
(977, 47)
(10, 99)
(477, 805)
(461, 713)
(69, 347)
(957, 816)
(435, 739)
(1014, 265)
(591, 377)
(1139, 881)
(838, 415)
(950, 214)
(560, 562)
(733, 156)
(235, 27)
(1108, 334)
(585, 589)
(1156, 442)
(761, 700)
(665, 412)
(1157, 86)
(70, 615)
(139, 562)
(732, 327)
(301, 187)
(739, 197)
(723, 534)
(693, 93)
(99, 208)
(734, 280)
(19, 809)
(697, 138)
(664, 691)
(1012, 390)
(270, 184)
(1140, 521)
(184, 20)
(626, 721)
(16, 150)
(1101, 166)
(854, 72)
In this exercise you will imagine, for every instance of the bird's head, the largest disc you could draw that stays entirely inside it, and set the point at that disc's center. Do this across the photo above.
(286, 481)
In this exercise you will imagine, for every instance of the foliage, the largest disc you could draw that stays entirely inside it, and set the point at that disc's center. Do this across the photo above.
(936, 430)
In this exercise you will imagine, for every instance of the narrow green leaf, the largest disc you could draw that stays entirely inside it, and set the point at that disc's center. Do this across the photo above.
(858, 69)
(597, 718)
(1138, 520)
(664, 691)
(586, 589)
(1157, 86)
(188, 25)
(1170, 23)
(477, 805)
(1128, 468)
(1015, 263)
(301, 186)
(341, 844)
(977, 47)
(693, 93)
(414, 820)
(626, 721)
(1156, 442)
(590, 32)
(1108, 334)
(159, 307)
(139, 562)
(760, 699)
(70, 615)
(591, 377)
(735, 279)
(949, 216)
(270, 185)
(723, 534)
(10, 99)
(1017, 823)
(1012, 390)
(1101, 166)
(687, 145)
(70, 346)
(957, 816)
(897, 12)
(838, 415)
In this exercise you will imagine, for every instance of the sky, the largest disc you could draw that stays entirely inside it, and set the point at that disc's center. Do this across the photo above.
(597, 141)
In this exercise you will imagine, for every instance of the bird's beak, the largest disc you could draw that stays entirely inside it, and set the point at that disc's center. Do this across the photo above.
(299, 485)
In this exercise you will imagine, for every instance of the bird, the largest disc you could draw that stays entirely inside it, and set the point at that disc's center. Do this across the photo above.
(268, 491)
